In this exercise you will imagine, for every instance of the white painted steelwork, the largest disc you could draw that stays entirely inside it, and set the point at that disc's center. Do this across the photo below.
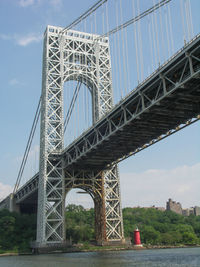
(79, 56)
(166, 102)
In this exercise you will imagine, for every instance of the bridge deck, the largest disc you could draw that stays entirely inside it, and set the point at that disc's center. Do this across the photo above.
(169, 98)
(163, 102)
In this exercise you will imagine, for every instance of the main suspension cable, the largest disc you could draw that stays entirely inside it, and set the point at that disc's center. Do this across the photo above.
(133, 20)
(84, 15)
(28, 146)
(71, 107)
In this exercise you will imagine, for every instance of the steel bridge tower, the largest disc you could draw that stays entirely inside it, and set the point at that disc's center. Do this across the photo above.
(73, 55)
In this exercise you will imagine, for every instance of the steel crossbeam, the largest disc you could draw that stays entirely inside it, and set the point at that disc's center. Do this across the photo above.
(77, 56)
(163, 104)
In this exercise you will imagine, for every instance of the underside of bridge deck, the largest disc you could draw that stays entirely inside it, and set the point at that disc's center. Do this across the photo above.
(163, 103)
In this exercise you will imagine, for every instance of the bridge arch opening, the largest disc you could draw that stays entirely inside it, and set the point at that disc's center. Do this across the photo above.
(82, 214)
(79, 99)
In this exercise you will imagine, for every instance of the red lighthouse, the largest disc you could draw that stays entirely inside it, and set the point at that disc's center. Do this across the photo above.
(137, 241)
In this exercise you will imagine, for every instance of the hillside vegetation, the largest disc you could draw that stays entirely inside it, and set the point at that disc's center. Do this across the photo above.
(156, 227)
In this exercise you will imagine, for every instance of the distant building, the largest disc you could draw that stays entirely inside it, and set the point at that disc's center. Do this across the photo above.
(191, 211)
(158, 208)
(174, 206)
(152, 207)
(185, 212)
(188, 212)
(196, 211)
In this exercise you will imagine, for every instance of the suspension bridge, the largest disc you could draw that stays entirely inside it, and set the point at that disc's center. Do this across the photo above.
(165, 99)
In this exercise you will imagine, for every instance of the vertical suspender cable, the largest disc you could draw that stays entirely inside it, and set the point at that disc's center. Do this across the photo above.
(170, 29)
(127, 60)
(162, 35)
(123, 49)
(136, 43)
(154, 41)
(86, 82)
(95, 23)
(91, 23)
(113, 65)
(151, 42)
(116, 57)
(119, 56)
(187, 21)
(103, 20)
(107, 20)
(140, 46)
(183, 21)
(156, 28)
(190, 15)
(116, 65)
(167, 31)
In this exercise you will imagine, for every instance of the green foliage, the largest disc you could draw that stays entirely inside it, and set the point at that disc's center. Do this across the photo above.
(16, 230)
(156, 227)
(79, 223)
(149, 235)
(162, 228)
(7, 224)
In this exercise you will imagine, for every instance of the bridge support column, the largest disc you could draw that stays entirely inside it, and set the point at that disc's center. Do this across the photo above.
(50, 218)
(85, 58)
(113, 210)
(104, 189)
(9, 203)
(108, 213)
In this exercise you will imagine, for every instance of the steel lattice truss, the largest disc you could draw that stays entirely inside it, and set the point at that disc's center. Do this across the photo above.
(81, 57)
(50, 225)
(163, 104)
(166, 102)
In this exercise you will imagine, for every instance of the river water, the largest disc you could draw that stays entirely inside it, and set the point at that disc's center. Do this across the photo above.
(149, 258)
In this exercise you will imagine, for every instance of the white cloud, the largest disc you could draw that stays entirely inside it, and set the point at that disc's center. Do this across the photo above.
(84, 200)
(5, 36)
(14, 82)
(28, 39)
(56, 3)
(25, 3)
(22, 40)
(5, 190)
(154, 187)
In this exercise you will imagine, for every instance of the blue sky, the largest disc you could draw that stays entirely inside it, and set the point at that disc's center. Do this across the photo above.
(168, 169)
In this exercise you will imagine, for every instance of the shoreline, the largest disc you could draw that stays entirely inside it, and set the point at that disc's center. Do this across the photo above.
(98, 249)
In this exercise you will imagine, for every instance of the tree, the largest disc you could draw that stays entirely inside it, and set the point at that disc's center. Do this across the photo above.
(7, 225)
(150, 235)
(189, 238)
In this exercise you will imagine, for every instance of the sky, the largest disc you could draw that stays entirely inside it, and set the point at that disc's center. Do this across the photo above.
(168, 169)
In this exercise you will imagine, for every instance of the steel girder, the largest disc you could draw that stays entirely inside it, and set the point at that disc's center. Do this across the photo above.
(180, 103)
(163, 104)
(73, 56)
(50, 223)
(27, 189)
(87, 59)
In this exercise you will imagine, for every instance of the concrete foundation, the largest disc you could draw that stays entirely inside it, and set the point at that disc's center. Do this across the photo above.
(9, 203)
(38, 248)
